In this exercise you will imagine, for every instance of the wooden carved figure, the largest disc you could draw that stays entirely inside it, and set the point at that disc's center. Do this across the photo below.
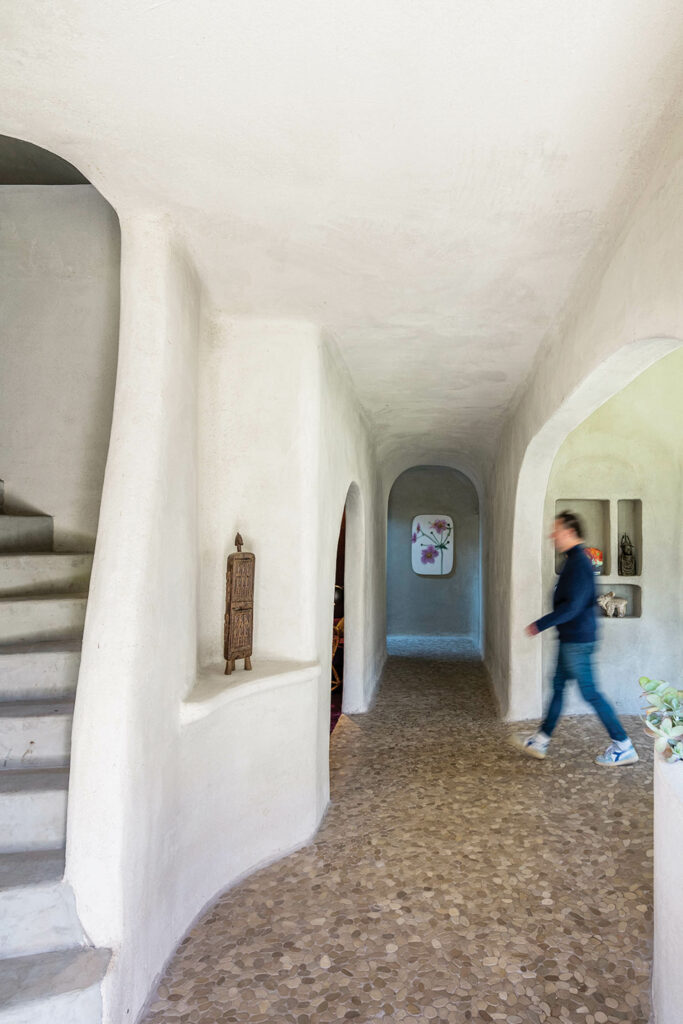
(238, 635)
(627, 557)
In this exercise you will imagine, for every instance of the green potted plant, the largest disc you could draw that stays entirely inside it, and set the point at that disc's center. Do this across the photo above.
(663, 716)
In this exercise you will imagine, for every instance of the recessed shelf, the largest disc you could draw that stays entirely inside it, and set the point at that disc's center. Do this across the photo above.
(630, 591)
(630, 522)
(594, 513)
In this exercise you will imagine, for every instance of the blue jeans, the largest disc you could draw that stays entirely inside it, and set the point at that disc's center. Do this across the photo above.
(575, 661)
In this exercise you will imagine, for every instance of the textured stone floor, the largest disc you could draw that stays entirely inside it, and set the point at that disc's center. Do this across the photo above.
(452, 879)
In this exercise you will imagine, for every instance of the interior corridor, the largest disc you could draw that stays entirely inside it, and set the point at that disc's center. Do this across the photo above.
(451, 880)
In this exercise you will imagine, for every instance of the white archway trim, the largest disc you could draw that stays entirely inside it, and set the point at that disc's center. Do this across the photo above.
(614, 374)
(354, 700)
(400, 464)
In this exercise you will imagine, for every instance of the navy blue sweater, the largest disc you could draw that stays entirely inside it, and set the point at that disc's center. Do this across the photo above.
(574, 600)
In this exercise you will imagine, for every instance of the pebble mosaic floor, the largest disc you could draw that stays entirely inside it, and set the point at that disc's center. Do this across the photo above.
(452, 879)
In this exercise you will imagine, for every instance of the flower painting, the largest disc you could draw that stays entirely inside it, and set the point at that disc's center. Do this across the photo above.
(432, 545)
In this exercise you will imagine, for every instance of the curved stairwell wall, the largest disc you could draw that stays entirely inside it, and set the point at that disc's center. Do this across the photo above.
(183, 780)
(60, 255)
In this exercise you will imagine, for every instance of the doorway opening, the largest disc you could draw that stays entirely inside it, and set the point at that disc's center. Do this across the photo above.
(433, 565)
(337, 682)
(602, 453)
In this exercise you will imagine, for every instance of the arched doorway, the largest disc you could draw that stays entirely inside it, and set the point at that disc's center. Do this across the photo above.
(349, 602)
(433, 559)
(60, 299)
(620, 471)
(337, 695)
(526, 668)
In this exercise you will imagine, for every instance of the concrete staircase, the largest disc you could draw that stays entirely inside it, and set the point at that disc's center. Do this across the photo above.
(48, 970)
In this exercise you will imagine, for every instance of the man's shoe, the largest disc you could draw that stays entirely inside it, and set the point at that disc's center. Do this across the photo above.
(533, 746)
(618, 754)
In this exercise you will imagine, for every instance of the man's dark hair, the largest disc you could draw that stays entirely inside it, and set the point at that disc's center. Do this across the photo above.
(571, 522)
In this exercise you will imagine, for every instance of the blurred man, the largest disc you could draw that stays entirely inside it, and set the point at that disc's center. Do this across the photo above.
(574, 616)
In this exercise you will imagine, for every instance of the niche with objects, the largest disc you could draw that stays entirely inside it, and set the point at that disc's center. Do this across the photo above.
(622, 592)
(614, 542)
(594, 513)
(630, 532)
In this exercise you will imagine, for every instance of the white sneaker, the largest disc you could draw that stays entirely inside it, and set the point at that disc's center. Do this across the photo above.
(618, 754)
(535, 745)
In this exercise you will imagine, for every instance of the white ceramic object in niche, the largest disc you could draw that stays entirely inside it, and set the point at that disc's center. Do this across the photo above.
(432, 545)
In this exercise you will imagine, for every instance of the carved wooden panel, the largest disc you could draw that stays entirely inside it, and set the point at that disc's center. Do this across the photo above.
(238, 635)
(241, 631)
(243, 579)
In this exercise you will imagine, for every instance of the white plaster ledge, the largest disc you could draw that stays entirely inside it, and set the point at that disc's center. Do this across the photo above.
(667, 987)
(670, 773)
(213, 689)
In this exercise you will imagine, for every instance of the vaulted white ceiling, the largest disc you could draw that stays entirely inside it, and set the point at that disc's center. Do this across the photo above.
(422, 178)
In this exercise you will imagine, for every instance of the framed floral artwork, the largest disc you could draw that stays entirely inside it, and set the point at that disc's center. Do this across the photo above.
(432, 545)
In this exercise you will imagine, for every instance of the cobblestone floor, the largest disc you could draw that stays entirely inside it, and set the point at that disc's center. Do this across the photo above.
(452, 880)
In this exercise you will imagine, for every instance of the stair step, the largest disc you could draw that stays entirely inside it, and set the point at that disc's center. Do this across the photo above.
(53, 988)
(33, 808)
(44, 572)
(42, 617)
(37, 914)
(24, 868)
(26, 532)
(47, 669)
(35, 732)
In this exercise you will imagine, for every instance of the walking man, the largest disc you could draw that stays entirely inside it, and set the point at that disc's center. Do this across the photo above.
(574, 616)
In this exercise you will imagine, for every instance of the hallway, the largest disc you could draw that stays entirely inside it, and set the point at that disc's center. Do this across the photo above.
(451, 880)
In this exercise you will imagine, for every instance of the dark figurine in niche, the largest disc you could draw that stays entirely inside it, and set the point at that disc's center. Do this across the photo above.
(239, 607)
(627, 557)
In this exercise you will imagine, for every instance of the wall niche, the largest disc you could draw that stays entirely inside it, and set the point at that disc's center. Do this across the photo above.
(630, 522)
(594, 513)
(631, 592)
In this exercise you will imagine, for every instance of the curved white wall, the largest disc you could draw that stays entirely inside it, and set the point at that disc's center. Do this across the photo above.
(60, 254)
(184, 780)
(626, 314)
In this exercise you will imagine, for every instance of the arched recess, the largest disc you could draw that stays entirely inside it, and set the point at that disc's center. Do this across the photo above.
(398, 463)
(525, 694)
(354, 700)
(472, 497)
(61, 250)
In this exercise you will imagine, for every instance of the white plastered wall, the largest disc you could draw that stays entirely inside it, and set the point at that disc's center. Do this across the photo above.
(183, 780)
(667, 977)
(631, 448)
(59, 255)
(258, 445)
(125, 850)
(349, 475)
(626, 314)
